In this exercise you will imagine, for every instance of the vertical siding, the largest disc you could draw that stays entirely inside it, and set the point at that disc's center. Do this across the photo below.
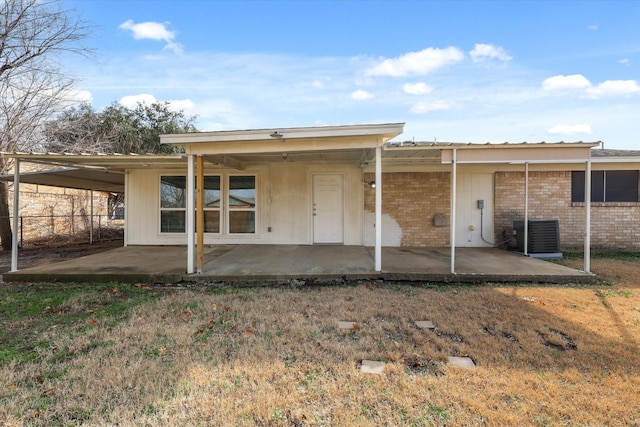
(283, 199)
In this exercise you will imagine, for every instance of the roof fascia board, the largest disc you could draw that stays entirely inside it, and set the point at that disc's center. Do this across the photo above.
(286, 145)
(630, 159)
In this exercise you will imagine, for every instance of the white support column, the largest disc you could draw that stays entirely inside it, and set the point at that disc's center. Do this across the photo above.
(587, 217)
(452, 225)
(526, 209)
(16, 212)
(190, 220)
(126, 209)
(91, 219)
(378, 249)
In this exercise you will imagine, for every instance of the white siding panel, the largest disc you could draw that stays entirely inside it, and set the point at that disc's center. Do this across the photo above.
(283, 200)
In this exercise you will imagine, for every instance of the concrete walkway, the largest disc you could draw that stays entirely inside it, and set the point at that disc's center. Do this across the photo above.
(253, 263)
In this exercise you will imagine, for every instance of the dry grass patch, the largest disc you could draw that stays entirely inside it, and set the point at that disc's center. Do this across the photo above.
(275, 356)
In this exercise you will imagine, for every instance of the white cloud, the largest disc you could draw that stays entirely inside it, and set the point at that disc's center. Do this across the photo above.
(561, 82)
(153, 31)
(361, 95)
(614, 88)
(593, 27)
(425, 107)
(318, 84)
(608, 88)
(483, 52)
(185, 105)
(624, 61)
(132, 101)
(570, 130)
(419, 88)
(418, 63)
(80, 96)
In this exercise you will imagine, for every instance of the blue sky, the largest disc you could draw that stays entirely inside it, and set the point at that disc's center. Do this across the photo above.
(460, 71)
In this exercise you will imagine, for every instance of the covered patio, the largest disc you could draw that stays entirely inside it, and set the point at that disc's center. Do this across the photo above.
(309, 263)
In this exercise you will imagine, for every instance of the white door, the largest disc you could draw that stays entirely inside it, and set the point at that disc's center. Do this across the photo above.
(327, 209)
(474, 203)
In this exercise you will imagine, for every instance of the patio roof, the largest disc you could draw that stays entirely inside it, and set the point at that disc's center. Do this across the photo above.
(79, 179)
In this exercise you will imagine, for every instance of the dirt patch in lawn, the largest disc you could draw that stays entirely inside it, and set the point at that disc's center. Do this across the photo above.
(137, 355)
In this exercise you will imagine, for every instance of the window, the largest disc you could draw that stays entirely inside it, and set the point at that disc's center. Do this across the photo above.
(212, 204)
(173, 190)
(606, 186)
(242, 204)
(239, 209)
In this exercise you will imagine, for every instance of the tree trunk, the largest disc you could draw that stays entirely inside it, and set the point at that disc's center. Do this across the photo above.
(5, 221)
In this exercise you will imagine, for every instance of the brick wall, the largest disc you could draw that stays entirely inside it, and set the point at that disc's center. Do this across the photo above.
(614, 226)
(413, 199)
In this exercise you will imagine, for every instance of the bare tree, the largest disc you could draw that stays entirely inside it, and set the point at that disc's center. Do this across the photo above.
(34, 35)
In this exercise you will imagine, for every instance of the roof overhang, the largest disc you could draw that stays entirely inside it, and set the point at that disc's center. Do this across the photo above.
(111, 162)
(80, 179)
(289, 140)
(560, 152)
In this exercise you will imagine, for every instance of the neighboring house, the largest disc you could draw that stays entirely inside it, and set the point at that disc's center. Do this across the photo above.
(314, 186)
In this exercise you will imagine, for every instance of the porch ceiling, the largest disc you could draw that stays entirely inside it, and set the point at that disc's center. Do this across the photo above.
(80, 179)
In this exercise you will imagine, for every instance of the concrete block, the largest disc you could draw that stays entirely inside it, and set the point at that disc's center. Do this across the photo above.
(347, 325)
(372, 367)
(425, 324)
(461, 362)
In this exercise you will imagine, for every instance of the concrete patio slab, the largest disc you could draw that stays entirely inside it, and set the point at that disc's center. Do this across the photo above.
(347, 325)
(425, 324)
(461, 362)
(308, 263)
(372, 367)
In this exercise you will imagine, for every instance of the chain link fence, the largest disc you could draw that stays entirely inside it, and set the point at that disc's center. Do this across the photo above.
(46, 230)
